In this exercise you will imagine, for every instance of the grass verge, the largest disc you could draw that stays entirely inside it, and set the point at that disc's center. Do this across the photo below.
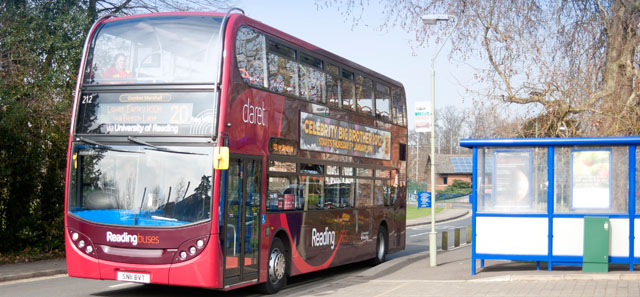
(414, 213)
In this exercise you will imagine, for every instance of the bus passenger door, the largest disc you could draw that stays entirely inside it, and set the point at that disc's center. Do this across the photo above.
(241, 225)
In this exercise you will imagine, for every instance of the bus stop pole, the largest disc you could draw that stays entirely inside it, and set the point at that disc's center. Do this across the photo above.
(433, 248)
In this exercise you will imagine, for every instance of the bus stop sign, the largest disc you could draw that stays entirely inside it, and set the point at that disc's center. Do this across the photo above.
(424, 200)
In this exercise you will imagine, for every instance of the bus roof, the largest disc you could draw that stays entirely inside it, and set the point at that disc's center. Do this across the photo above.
(240, 19)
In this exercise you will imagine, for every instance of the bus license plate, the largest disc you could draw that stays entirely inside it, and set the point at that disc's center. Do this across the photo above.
(134, 277)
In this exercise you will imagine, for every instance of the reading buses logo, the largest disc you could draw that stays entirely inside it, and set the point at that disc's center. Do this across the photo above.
(323, 238)
(133, 239)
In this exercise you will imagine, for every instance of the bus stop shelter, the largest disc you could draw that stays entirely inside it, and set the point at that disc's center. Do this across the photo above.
(564, 201)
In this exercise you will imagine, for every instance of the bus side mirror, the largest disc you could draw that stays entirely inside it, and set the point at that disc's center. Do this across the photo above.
(221, 158)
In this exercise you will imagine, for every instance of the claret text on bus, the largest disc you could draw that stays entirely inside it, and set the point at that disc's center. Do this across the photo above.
(212, 150)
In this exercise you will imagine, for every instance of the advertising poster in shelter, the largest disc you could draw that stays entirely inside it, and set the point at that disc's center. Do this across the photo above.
(591, 179)
(512, 179)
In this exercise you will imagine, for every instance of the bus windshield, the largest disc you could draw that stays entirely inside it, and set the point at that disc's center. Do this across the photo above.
(154, 50)
(141, 186)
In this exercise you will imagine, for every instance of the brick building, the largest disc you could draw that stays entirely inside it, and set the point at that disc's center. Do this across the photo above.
(450, 168)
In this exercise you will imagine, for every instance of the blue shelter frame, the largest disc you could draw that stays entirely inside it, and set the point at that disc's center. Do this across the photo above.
(551, 226)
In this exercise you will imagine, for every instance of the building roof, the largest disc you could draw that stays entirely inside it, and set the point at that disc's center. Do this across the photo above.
(454, 164)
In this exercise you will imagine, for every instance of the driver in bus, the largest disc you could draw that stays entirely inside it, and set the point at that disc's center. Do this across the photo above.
(117, 69)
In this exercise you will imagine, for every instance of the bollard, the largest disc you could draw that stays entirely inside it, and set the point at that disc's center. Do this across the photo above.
(456, 238)
(469, 231)
(445, 241)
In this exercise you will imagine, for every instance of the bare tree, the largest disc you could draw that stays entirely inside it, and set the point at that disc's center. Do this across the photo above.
(98, 8)
(573, 63)
(487, 119)
(418, 153)
(450, 129)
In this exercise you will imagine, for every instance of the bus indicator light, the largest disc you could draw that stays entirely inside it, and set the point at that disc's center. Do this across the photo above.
(221, 158)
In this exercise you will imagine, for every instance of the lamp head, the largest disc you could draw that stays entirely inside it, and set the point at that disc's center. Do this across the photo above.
(431, 19)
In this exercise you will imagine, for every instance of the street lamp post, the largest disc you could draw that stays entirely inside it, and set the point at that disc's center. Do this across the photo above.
(431, 20)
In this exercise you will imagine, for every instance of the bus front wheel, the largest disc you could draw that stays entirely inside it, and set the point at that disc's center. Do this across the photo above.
(276, 268)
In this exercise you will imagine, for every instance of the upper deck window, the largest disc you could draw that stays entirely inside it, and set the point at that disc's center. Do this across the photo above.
(250, 54)
(383, 99)
(158, 50)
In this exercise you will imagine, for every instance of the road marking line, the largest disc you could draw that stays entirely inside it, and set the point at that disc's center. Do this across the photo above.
(392, 289)
(122, 285)
(414, 235)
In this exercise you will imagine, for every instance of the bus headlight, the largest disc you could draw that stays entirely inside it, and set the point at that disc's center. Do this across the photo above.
(191, 249)
(82, 242)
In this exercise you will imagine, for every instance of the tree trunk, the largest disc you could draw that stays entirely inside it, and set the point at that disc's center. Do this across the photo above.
(619, 107)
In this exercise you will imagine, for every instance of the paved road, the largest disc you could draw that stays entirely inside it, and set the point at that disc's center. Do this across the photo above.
(72, 287)
(418, 236)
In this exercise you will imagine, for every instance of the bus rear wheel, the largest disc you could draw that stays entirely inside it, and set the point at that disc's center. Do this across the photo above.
(276, 268)
(381, 246)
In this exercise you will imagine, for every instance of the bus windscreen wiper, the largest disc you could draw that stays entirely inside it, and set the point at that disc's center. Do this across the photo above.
(104, 146)
(157, 148)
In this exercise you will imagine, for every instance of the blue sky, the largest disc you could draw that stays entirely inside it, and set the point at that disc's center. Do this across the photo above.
(393, 53)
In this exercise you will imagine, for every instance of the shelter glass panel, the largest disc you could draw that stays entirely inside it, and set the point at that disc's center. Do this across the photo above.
(512, 180)
(637, 180)
(591, 179)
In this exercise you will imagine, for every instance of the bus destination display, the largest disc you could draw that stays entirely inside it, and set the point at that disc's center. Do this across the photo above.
(147, 114)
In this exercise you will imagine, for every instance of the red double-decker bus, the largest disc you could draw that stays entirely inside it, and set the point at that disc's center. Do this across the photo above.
(212, 150)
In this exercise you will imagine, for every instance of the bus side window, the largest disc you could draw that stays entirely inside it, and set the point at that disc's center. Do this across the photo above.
(364, 95)
(333, 85)
(250, 46)
(379, 193)
(283, 76)
(312, 84)
(383, 99)
(399, 114)
(312, 191)
(348, 90)
(364, 192)
(283, 194)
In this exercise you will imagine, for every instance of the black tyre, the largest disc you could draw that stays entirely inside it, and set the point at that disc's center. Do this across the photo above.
(276, 268)
(381, 246)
